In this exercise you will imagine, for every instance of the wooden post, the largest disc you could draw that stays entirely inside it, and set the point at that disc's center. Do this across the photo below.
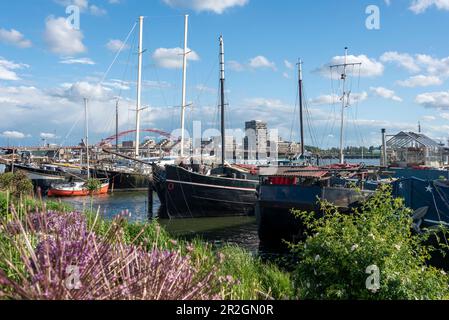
(150, 200)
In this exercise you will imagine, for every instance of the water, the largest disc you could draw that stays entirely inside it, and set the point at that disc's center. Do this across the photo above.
(241, 231)
(368, 162)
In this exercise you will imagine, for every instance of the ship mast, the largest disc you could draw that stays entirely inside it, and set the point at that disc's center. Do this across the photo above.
(222, 94)
(301, 111)
(344, 100)
(184, 81)
(86, 142)
(116, 127)
(139, 87)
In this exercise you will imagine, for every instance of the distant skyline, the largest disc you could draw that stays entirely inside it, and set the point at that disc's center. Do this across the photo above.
(48, 65)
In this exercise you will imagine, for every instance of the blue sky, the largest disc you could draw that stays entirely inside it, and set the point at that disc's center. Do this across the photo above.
(46, 67)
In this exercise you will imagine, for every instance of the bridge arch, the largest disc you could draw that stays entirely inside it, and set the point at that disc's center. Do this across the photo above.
(125, 133)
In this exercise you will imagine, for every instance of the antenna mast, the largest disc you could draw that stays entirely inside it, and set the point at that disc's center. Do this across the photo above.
(344, 100)
(139, 87)
(222, 91)
(184, 81)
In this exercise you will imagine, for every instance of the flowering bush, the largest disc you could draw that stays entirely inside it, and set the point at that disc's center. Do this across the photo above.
(17, 183)
(343, 253)
(71, 262)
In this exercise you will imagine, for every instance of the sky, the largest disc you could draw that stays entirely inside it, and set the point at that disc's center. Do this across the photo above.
(49, 63)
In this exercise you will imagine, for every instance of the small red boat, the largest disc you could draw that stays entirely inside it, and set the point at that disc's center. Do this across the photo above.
(76, 189)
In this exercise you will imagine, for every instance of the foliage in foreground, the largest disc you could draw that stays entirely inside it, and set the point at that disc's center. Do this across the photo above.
(16, 183)
(340, 247)
(237, 274)
(69, 261)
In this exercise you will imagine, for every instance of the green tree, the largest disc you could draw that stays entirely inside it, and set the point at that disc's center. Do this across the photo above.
(341, 248)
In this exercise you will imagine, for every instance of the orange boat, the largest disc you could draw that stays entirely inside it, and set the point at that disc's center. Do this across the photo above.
(76, 189)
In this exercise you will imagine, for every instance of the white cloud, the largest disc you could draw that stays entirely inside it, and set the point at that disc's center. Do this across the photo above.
(235, 66)
(328, 99)
(86, 61)
(14, 135)
(203, 88)
(62, 38)
(289, 65)
(286, 75)
(417, 62)
(15, 38)
(325, 99)
(258, 62)
(118, 84)
(115, 45)
(216, 6)
(429, 118)
(385, 93)
(421, 6)
(369, 67)
(261, 62)
(171, 58)
(83, 89)
(264, 103)
(434, 99)
(97, 11)
(84, 6)
(7, 69)
(46, 136)
(420, 81)
(433, 65)
(404, 60)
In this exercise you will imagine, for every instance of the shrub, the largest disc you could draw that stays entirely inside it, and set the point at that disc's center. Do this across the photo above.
(340, 247)
(17, 183)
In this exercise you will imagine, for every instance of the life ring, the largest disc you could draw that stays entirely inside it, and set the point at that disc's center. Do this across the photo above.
(171, 186)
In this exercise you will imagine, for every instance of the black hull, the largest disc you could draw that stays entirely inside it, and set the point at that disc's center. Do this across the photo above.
(42, 179)
(275, 219)
(123, 181)
(185, 194)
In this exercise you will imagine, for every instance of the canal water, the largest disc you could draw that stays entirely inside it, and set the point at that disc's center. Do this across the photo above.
(241, 231)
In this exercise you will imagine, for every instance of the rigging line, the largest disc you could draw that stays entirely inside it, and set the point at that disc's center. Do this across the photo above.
(294, 115)
(118, 53)
(71, 129)
(309, 118)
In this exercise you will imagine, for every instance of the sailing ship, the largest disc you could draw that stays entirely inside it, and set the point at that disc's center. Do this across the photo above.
(283, 189)
(80, 188)
(226, 191)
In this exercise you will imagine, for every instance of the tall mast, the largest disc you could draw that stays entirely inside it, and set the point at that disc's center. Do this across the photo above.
(344, 101)
(139, 86)
(222, 92)
(301, 113)
(86, 127)
(116, 126)
(184, 82)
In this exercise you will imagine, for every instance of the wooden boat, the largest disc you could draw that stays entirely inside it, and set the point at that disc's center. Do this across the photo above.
(76, 189)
